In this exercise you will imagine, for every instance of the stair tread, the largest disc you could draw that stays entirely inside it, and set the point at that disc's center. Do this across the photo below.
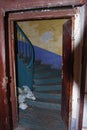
(49, 100)
(42, 65)
(44, 104)
(50, 70)
(47, 95)
(50, 91)
(48, 85)
(46, 75)
(41, 69)
(49, 77)
(37, 62)
(47, 89)
(47, 81)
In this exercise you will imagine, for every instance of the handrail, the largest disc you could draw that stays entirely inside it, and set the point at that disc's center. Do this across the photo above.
(31, 62)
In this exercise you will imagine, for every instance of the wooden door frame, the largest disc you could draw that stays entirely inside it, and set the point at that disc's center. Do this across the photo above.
(30, 15)
(4, 105)
(83, 74)
(12, 75)
(67, 67)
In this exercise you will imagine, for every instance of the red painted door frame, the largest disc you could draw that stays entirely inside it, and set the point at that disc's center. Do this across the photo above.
(83, 74)
(4, 105)
(9, 5)
(67, 72)
(12, 73)
(69, 13)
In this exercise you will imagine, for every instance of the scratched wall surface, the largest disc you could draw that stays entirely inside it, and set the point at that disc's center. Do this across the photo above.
(46, 34)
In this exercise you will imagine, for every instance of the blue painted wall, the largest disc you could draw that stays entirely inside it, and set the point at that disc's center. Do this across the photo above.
(48, 57)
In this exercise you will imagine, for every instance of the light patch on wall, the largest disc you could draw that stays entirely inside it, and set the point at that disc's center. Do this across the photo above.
(85, 112)
(47, 37)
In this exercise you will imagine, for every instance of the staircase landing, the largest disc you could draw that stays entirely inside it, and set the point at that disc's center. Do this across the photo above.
(34, 118)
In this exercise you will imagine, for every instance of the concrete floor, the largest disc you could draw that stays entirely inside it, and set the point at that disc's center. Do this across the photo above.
(40, 119)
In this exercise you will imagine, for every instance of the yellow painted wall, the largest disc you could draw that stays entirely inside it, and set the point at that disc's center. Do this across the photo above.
(46, 34)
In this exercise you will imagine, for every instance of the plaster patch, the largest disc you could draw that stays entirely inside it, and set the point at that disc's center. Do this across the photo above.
(47, 37)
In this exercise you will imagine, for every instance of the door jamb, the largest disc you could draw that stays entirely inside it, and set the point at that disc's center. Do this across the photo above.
(13, 95)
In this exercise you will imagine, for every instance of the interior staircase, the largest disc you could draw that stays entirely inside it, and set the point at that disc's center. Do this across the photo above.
(47, 86)
(43, 79)
(44, 113)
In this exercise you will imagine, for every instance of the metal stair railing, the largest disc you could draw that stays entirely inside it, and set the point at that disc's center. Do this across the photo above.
(25, 47)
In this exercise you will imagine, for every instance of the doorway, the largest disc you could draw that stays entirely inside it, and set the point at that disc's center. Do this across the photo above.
(47, 75)
(66, 78)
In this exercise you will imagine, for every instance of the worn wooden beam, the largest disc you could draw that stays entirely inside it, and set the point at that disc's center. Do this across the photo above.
(4, 113)
(44, 14)
(28, 4)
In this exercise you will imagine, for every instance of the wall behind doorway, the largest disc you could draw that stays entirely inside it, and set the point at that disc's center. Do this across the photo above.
(46, 37)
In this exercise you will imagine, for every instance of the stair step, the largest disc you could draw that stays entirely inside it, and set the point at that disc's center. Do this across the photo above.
(51, 98)
(47, 84)
(44, 105)
(42, 67)
(44, 75)
(47, 80)
(48, 71)
(47, 87)
(47, 96)
(53, 69)
(37, 62)
(48, 77)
